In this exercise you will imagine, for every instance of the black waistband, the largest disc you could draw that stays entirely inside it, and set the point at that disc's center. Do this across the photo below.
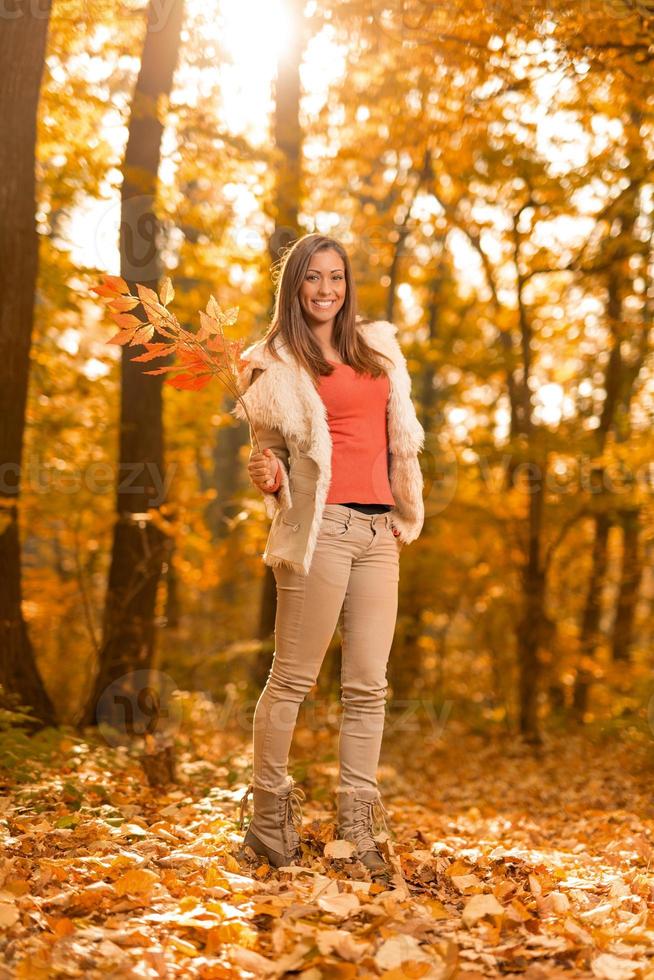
(369, 508)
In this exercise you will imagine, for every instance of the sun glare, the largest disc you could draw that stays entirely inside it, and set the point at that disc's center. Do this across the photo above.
(254, 36)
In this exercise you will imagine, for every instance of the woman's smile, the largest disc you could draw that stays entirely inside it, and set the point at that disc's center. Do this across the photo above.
(322, 293)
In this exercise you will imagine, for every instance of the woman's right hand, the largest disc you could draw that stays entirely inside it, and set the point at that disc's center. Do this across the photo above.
(262, 469)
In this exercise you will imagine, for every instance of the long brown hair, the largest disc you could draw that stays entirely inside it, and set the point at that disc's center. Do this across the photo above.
(289, 327)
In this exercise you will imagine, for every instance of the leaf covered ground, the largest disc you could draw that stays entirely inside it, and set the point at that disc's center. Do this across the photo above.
(509, 861)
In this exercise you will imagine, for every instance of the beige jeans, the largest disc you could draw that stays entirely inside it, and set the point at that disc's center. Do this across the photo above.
(355, 568)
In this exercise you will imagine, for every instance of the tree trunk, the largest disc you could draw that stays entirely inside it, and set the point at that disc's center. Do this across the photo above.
(629, 583)
(22, 51)
(287, 135)
(530, 628)
(225, 506)
(590, 626)
(225, 478)
(139, 548)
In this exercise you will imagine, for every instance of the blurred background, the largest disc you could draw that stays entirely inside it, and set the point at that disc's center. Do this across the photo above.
(488, 166)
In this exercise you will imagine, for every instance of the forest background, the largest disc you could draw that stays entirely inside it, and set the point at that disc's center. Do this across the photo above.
(489, 168)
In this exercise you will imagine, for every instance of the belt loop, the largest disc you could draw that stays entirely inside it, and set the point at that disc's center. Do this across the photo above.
(349, 517)
(386, 519)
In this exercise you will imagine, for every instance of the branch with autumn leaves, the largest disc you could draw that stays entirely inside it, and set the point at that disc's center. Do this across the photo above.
(201, 356)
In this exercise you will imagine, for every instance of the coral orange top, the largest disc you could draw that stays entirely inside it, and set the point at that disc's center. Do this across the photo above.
(356, 415)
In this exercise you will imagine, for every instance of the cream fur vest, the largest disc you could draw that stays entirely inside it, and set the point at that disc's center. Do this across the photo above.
(290, 417)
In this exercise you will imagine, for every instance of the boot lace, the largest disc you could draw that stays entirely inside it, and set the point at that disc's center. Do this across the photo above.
(289, 813)
(244, 800)
(368, 818)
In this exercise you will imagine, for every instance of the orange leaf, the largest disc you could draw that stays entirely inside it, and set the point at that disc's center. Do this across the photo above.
(126, 320)
(190, 382)
(189, 357)
(138, 881)
(230, 316)
(208, 326)
(166, 291)
(213, 309)
(144, 334)
(216, 343)
(103, 291)
(162, 370)
(153, 351)
(116, 283)
(147, 295)
(122, 337)
(156, 311)
(122, 303)
(200, 381)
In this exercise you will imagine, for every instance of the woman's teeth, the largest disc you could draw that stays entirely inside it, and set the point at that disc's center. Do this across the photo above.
(322, 303)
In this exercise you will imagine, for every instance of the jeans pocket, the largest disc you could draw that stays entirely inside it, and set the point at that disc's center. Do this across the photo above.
(334, 527)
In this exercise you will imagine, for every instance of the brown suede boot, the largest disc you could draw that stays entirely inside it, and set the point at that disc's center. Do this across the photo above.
(357, 811)
(272, 832)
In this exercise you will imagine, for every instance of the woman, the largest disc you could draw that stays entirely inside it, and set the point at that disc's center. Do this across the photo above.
(328, 395)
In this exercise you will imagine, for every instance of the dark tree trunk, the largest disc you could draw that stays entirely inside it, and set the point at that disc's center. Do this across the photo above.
(590, 625)
(531, 626)
(225, 479)
(22, 52)
(629, 583)
(139, 547)
(172, 607)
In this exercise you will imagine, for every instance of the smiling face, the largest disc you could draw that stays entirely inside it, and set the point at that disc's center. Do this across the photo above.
(322, 293)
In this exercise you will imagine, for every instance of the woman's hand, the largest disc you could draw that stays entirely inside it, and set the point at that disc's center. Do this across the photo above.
(262, 469)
